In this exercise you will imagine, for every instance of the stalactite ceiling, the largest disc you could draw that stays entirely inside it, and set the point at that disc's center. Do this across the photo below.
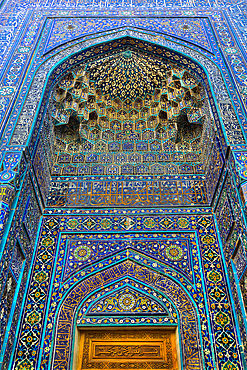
(130, 109)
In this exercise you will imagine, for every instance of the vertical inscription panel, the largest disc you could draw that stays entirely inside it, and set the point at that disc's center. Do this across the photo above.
(137, 349)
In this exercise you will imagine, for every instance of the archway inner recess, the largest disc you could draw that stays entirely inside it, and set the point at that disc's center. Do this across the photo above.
(130, 113)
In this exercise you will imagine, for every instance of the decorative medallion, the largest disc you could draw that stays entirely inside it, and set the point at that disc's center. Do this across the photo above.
(6, 90)
(225, 340)
(126, 302)
(217, 294)
(214, 276)
(47, 242)
(33, 318)
(208, 239)
(149, 223)
(166, 222)
(222, 319)
(40, 277)
(72, 223)
(82, 253)
(51, 223)
(174, 252)
(211, 255)
(183, 222)
(204, 221)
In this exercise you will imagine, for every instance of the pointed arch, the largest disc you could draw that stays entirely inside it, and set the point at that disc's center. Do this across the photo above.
(109, 302)
(179, 297)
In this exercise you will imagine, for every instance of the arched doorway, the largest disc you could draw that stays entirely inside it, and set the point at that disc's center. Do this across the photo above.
(153, 307)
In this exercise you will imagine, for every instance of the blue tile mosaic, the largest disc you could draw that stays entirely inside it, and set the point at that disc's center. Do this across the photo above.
(123, 176)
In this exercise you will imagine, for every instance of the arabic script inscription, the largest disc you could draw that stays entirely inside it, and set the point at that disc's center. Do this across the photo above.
(127, 351)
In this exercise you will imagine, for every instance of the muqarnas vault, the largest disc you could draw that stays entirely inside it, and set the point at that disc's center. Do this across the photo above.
(123, 185)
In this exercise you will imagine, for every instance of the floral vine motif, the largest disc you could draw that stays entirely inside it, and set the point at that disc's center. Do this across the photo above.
(128, 301)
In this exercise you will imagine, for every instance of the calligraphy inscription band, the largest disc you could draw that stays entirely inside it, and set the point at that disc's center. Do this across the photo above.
(126, 351)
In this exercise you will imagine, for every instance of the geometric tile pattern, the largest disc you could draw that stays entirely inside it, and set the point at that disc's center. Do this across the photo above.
(129, 263)
(60, 29)
(83, 250)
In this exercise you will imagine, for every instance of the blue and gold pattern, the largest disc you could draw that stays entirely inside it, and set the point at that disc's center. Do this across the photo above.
(128, 301)
(63, 30)
(84, 249)
(131, 264)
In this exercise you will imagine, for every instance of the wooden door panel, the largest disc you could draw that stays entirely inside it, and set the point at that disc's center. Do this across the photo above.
(127, 350)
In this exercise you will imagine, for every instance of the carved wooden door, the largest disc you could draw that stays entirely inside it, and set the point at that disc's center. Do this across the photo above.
(135, 349)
